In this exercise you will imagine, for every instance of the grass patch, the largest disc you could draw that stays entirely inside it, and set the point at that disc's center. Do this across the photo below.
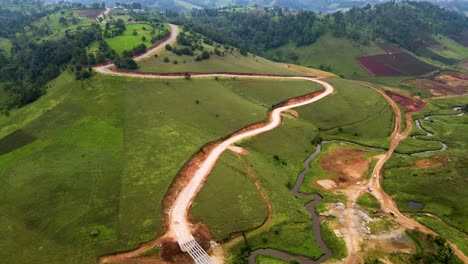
(354, 113)
(231, 62)
(368, 202)
(127, 41)
(336, 244)
(103, 146)
(343, 62)
(227, 210)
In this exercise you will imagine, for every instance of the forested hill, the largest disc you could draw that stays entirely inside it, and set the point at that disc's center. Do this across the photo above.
(408, 24)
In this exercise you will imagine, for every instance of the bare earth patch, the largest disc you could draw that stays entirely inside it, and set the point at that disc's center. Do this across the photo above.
(347, 165)
(436, 162)
(410, 102)
(445, 84)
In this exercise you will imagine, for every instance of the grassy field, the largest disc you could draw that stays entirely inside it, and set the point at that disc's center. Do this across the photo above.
(354, 113)
(127, 41)
(227, 210)
(69, 166)
(342, 62)
(436, 179)
(49, 27)
(234, 62)
(368, 202)
(450, 48)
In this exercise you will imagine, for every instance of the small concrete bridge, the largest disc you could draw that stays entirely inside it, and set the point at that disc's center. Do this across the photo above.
(196, 251)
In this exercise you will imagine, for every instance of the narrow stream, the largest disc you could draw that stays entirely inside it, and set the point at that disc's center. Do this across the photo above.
(310, 207)
(429, 134)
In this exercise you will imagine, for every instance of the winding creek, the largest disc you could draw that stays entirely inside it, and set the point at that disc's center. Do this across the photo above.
(310, 206)
(429, 134)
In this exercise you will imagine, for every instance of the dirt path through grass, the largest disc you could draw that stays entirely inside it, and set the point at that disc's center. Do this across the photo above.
(386, 201)
(178, 226)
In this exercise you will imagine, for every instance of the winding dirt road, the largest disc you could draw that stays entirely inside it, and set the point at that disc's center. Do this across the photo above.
(179, 228)
(386, 201)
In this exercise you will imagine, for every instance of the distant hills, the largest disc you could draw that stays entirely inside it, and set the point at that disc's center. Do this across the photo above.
(325, 6)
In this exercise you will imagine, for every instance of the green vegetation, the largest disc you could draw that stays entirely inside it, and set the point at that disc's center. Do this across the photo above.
(437, 179)
(5, 46)
(317, 55)
(91, 162)
(431, 249)
(450, 48)
(453, 235)
(368, 202)
(195, 53)
(133, 36)
(336, 244)
(229, 202)
(354, 112)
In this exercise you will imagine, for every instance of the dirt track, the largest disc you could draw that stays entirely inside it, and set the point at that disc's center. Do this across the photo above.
(386, 201)
(179, 227)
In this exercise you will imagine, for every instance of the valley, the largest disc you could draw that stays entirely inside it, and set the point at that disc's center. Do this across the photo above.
(160, 140)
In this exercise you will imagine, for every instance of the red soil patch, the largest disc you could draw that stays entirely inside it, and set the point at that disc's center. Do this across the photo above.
(346, 164)
(436, 162)
(391, 63)
(445, 84)
(413, 104)
(377, 69)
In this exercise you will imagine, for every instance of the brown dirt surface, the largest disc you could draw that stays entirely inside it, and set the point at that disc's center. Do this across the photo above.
(411, 103)
(445, 84)
(436, 162)
(346, 164)
(90, 13)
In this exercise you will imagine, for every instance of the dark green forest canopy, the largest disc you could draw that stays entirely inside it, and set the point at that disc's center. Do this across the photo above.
(408, 24)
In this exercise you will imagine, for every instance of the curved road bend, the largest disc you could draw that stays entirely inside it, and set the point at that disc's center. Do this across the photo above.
(179, 226)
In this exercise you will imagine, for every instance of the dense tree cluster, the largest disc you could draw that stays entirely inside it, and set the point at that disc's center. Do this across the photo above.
(408, 24)
(33, 64)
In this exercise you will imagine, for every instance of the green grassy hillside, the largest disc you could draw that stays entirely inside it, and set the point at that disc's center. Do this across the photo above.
(81, 157)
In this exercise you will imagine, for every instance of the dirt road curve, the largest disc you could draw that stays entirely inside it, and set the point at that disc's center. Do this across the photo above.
(179, 227)
(386, 201)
